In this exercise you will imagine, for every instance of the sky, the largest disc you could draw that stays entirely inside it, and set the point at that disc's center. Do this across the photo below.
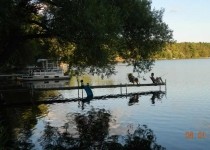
(189, 19)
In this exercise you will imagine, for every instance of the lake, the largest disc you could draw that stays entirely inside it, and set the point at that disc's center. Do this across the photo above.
(178, 118)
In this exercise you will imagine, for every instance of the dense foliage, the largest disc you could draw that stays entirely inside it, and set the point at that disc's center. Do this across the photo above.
(184, 50)
(83, 33)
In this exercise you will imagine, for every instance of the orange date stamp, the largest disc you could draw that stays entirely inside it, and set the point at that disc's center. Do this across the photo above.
(192, 135)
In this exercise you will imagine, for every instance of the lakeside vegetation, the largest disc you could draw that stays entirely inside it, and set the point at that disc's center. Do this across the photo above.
(86, 34)
(184, 50)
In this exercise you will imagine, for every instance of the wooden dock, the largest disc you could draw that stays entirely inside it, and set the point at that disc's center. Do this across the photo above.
(98, 86)
(78, 87)
(31, 91)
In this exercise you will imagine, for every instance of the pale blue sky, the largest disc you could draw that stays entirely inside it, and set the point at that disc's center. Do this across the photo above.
(189, 19)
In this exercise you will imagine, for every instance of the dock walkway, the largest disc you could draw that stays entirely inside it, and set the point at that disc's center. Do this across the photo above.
(98, 86)
(79, 87)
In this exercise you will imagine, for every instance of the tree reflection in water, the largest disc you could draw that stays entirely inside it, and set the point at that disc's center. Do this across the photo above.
(91, 131)
(3, 132)
(17, 139)
(16, 126)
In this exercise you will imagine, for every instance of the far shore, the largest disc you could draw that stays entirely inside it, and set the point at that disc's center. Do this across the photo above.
(121, 60)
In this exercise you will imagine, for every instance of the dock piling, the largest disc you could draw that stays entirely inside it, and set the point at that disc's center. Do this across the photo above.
(78, 86)
(126, 89)
(121, 88)
(82, 85)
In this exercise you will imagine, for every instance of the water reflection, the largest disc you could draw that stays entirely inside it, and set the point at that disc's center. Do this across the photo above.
(17, 124)
(81, 131)
(134, 99)
(4, 135)
(91, 131)
(156, 96)
(82, 103)
(26, 97)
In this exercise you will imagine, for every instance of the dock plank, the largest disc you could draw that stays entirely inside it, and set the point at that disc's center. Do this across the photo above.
(78, 87)
(99, 86)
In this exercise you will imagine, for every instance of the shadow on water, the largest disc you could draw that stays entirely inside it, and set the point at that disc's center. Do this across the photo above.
(18, 121)
(91, 131)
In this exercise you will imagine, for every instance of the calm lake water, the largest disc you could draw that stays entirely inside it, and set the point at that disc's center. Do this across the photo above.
(177, 120)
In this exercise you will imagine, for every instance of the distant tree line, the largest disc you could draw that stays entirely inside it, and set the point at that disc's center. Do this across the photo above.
(184, 50)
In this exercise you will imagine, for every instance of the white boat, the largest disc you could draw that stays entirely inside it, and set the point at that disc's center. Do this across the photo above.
(45, 71)
(45, 84)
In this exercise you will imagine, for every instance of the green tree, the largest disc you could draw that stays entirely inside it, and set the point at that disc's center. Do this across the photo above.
(84, 33)
(19, 34)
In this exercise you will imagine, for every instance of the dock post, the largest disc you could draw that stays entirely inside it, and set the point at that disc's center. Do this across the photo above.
(78, 86)
(78, 91)
(82, 93)
(126, 89)
(82, 86)
(121, 88)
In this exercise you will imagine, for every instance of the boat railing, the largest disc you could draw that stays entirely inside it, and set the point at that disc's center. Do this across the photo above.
(48, 72)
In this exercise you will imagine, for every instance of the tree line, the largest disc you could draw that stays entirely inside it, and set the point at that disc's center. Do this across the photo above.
(184, 50)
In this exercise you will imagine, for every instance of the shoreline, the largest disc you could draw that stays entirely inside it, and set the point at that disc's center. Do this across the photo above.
(121, 60)
(181, 58)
